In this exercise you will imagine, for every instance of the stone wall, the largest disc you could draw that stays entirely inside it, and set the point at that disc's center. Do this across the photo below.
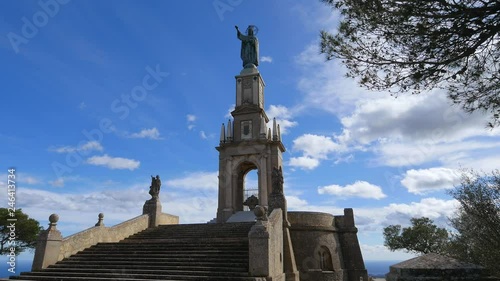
(98, 234)
(168, 219)
(354, 265)
(326, 247)
(316, 246)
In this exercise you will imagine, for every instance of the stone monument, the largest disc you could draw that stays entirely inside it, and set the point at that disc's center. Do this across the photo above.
(153, 205)
(311, 245)
(249, 46)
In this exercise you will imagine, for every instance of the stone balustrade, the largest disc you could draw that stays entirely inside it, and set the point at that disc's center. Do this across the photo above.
(266, 246)
(51, 247)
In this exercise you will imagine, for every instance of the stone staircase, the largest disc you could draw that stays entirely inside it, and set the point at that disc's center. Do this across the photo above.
(167, 252)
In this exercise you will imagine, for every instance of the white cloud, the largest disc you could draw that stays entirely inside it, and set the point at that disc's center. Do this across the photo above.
(381, 252)
(315, 146)
(304, 162)
(433, 208)
(114, 162)
(190, 121)
(408, 130)
(266, 59)
(59, 182)
(91, 145)
(82, 105)
(427, 117)
(152, 133)
(361, 189)
(203, 135)
(27, 179)
(229, 110)
(196, 180)
(427, 180)
(397, 153)
(295, 203)
(83, 147)
(282, 115)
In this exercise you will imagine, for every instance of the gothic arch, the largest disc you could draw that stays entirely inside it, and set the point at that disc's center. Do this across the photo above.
(325, 259)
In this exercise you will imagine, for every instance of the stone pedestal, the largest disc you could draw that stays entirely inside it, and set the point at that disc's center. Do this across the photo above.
(152, 207)
(259, 263)
(48, 245)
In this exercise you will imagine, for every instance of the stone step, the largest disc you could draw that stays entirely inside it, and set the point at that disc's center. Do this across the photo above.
(146, 263)
(159, 271)
(229, 267)
(176, 252)
(190, 240)
(165, 259)
(126, 251)
(162, 254)
(126, 278)
(134, 278)
(152, 274)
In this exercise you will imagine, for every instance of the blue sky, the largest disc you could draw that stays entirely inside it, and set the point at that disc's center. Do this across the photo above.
(82, 144)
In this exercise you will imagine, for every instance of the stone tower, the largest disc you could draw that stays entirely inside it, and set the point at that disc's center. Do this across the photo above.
(246, 143)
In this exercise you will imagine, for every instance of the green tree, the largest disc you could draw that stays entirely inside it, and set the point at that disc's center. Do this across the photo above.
(422, 237)
(410, 46)
(477, 222)
(26, 231)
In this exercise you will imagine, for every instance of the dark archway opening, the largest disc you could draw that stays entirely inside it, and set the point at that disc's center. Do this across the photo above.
(248, 179)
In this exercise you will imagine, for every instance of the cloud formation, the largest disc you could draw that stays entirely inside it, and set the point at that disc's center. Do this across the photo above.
(114, 162)
(191, 118)
(423, 181)
(313, 148)
(360, 189)
(266, 59)
(304, 162)
(283, 117)
(83, 147)
(152, 134)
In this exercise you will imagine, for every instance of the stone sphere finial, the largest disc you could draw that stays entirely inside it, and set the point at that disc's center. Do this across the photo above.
(260, 213)
(100, 219)
(53, 219)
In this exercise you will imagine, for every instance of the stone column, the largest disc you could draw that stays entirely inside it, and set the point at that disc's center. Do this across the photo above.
(48, 245)
(263, 185)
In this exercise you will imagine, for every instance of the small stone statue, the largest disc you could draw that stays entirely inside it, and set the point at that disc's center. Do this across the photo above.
(277, 178)
(154, 189)
(249, 47)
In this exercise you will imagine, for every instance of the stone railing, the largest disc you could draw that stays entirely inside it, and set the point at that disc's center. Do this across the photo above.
(51, 247)
(265, 241)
